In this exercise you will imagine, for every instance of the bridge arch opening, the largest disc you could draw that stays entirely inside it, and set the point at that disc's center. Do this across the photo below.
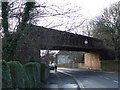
(71, 59)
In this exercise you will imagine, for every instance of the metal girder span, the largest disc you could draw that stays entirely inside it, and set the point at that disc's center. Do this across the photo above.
(46, 38)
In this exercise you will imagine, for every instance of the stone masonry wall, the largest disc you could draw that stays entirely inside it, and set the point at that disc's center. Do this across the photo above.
(91, 61)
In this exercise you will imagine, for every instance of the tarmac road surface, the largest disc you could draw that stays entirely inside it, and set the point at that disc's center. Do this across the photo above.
(81, 79)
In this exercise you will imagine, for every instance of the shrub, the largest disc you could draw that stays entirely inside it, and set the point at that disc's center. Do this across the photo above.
(110, 65)
(47, 71)
(6, 76)
(17, 74)
(33, 73)
(26, 79)
(43, 66)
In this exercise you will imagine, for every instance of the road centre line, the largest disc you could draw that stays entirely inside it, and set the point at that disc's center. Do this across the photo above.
(107, 78)
(115, 81)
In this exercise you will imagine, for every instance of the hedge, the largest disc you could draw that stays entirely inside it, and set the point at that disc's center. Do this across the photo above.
(6, 76)
(43, 66)
(33, 72)
(17, 74)
(110, 65)
(26, 79)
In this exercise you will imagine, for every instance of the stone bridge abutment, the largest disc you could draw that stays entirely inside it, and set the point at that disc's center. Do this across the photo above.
(91, 61)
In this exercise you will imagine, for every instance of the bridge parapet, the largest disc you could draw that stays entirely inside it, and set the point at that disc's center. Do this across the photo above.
(45, 38)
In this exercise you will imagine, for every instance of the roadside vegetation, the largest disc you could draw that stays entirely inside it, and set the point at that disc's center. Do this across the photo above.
(107, 28)
(30, 75)
(110, 65)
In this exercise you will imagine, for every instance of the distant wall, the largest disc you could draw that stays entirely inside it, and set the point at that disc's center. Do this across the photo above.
(91, 61)
(61, 59)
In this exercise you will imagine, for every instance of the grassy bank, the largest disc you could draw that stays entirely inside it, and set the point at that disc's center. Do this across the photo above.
(110, 65)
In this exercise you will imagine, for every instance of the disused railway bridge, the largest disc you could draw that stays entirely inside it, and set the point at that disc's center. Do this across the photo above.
(45, 38)
(36, 38)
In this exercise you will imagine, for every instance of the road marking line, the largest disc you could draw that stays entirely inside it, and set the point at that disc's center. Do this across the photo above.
(51, 86)
(101, 76)
(86, 80)
(107, 78)
(115, 81)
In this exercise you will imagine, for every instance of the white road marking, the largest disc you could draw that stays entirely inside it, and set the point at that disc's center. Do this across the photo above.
(70, 86)
(86, 80)
(107, 78)
(101, 76)
(109, 72)
(51, 86)
(115, 81)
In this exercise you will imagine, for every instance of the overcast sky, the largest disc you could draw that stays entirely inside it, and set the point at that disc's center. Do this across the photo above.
(90, 8)
(93, 8)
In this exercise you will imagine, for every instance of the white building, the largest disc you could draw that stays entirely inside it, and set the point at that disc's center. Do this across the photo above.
(63, 57)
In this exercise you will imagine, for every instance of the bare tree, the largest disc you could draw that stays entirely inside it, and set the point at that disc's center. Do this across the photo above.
(19, 13)
(57, 17)
(65, 17)
(10, 39)
(107, 28)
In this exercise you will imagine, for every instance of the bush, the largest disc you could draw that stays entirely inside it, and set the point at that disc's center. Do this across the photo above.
(47, 71)
(26, 79)
(110, 65)
(17, 74)
(33, 73)
(6, 76)
(43, 66)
